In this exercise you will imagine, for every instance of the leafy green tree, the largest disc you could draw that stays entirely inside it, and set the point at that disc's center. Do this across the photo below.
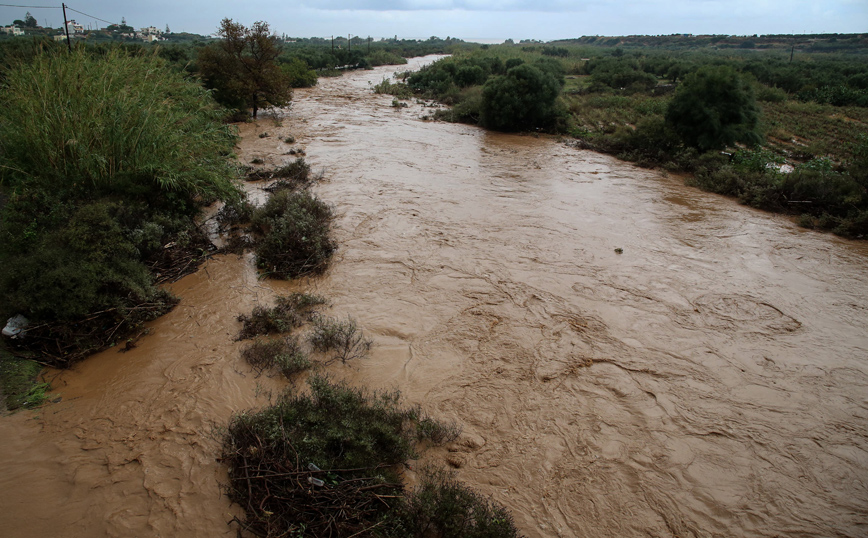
(298, 73)
(524, 98)
(714, 108)
(242, 67)
(30, 21)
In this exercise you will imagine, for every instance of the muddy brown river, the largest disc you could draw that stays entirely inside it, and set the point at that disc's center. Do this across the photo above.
(709, 380)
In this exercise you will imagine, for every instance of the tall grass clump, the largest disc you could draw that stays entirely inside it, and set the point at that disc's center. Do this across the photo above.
(295, 235)
(329, 462)
(116, 122)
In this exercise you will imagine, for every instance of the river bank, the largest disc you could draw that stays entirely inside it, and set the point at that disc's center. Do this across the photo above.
(709, 379)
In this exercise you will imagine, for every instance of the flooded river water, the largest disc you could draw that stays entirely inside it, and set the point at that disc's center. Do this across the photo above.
(709, 380)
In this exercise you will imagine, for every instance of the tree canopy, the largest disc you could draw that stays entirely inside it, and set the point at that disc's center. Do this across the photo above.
(242, 67)
(524, 98)
(713, 108)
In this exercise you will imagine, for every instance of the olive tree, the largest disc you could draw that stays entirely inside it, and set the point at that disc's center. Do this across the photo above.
(713, 108)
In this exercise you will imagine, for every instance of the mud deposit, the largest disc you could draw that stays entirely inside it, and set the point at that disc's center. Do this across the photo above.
(710, 380)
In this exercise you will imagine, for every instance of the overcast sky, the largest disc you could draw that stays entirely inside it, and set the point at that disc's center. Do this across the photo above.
(471, 19)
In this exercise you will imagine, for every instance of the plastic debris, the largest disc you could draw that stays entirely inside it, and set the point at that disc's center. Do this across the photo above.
(15, 327)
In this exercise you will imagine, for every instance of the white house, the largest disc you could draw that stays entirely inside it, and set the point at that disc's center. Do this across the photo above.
(12, 30)
(151, 30)
(74, 28)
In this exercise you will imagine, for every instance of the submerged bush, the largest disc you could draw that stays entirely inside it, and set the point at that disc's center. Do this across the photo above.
(329, 463)
(288, 313)
(442, 506)
(343, 338)
(296, 238)
(282, 354)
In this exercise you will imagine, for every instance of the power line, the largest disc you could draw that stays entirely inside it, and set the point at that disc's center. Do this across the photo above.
(31, 7)
(91, 16)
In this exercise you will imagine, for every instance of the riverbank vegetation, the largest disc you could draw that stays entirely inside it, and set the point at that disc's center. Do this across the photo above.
(678, 102)
(105, 159)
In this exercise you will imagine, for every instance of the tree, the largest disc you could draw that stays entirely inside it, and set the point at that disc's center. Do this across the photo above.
(524, 98)
(242, 67)
(30, 21)
(714, 108)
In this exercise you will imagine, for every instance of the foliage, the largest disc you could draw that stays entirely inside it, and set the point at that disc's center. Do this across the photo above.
(343, 338)
(298, 73)
(19, 382)
(384, 57)
(70, 271)
(116, 123)
(288, 312)
(295, 230)
(105, 159)
(838, 95)
(522, 99)
(242, 67)
(714, 108)
(282, 354)
(328, 463)
(398, 89)
(442, 506)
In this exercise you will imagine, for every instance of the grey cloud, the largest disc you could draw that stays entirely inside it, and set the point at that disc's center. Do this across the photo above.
(545, 6)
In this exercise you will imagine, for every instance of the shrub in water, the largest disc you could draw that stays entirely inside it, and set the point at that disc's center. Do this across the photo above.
(288, 313)
(442, 506)
(295, 235)
(343, 338)
(328, 463)
(282, 354)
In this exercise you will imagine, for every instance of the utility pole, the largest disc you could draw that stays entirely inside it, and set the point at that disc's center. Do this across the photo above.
(66, 27)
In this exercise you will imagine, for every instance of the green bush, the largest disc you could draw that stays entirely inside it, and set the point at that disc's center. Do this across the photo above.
(289, 311)
(298, 74)
(713, 108)
(442, 506)
(282, 354)
(383, 57)
(343, 338)
(523, 99)
(398, 89)
(768, 94)
(329, 463)
(68, 272)
(296, 238)
(105, 159)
